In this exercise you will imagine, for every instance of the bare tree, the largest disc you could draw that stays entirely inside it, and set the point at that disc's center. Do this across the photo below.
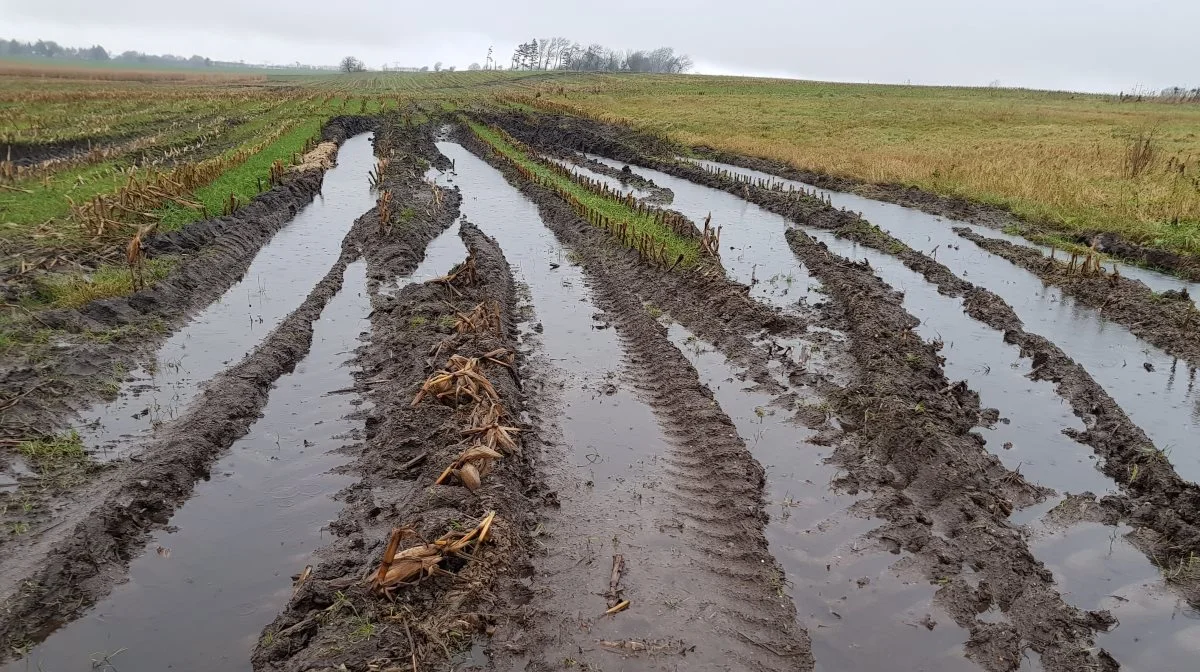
(437, 67)
(352, 64)
(473, 66)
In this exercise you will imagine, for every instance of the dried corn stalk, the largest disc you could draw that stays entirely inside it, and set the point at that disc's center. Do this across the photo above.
(483, 318)
(487, 426)
(403, 567)
(461, 378)
(463, 275)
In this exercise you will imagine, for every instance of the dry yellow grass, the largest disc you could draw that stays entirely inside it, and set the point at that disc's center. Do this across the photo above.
(1053, 158)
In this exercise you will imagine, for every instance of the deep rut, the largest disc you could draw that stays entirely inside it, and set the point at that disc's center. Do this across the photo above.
(686, 512)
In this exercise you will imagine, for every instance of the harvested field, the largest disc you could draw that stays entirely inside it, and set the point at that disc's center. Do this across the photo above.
(466, 378)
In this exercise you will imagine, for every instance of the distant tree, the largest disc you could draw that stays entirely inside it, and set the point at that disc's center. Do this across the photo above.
(474, 66)
(351, 64)
(450, 69)
(437, 67)
(424, 68)
(96, 53)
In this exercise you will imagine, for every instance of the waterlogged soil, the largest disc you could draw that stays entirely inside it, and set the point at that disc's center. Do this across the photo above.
(1169, 524)
(753, 251)
(616, 405)
(221, 334)
(230, 550)
(76, 561)
(963, 210)
(1169, 321)
(334, 618)
(861, 603)
(970, 555)
(816, 473)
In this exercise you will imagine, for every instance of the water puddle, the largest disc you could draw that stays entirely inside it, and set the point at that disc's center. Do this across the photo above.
(1098, 568)
(753, 249)
(199, 596)
(1155, 280)
(1155, 390)
(607, 464)
(613, 183)
(280, 277)
(860, 612)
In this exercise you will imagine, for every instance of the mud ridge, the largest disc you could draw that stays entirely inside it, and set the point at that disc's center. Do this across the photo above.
(1169, 321)
(93, 548)
(907, 441)
(705, 301)
(406, 450)
(67, 378)
(720, 496)
(1155, 497)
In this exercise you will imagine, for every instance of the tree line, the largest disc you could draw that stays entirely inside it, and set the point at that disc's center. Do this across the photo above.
(52, 49)
(560, 53)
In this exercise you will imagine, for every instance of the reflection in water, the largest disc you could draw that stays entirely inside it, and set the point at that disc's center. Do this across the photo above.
(202, 591)
(1168, 413)
(281, 275)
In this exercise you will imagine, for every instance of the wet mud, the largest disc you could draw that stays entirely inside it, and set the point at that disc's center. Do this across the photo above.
(65, 568)
(334, 618)
(229, 549)
(1169, 320)
(625, 421)
(1155, 495)
(946, 498)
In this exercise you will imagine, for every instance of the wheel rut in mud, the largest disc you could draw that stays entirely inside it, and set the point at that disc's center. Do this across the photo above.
(680, 495)
(581, 136)
(90, 552)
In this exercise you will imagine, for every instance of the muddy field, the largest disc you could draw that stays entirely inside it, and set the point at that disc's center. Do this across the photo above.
(426, 410)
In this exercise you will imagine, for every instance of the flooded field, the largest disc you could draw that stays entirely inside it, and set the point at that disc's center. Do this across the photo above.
(469, 413)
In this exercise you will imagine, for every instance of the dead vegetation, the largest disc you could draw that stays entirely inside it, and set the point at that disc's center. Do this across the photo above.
(402, 568)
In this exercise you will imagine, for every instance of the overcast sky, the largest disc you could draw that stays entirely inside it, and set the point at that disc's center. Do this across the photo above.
(1084, 45)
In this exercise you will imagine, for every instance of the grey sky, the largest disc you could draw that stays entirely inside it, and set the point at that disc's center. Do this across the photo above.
(1088, 45)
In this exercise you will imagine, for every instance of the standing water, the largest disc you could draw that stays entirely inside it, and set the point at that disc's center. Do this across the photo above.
(1152, 387)
(753, 249)
(281, 275)
(200, 594)
(1096, 566)
(609, 463)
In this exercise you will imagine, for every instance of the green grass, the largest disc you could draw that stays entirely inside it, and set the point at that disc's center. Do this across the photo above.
(56, 453)
(242, 181)
(617, 211)
(77, 289)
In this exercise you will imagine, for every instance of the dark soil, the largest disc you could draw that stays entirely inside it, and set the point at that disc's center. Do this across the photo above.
(1169, 321)
(407, 448)
(717, 486)
(908, 443)
(52, 575)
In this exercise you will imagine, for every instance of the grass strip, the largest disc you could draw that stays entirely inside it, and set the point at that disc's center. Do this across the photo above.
(614, 210)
